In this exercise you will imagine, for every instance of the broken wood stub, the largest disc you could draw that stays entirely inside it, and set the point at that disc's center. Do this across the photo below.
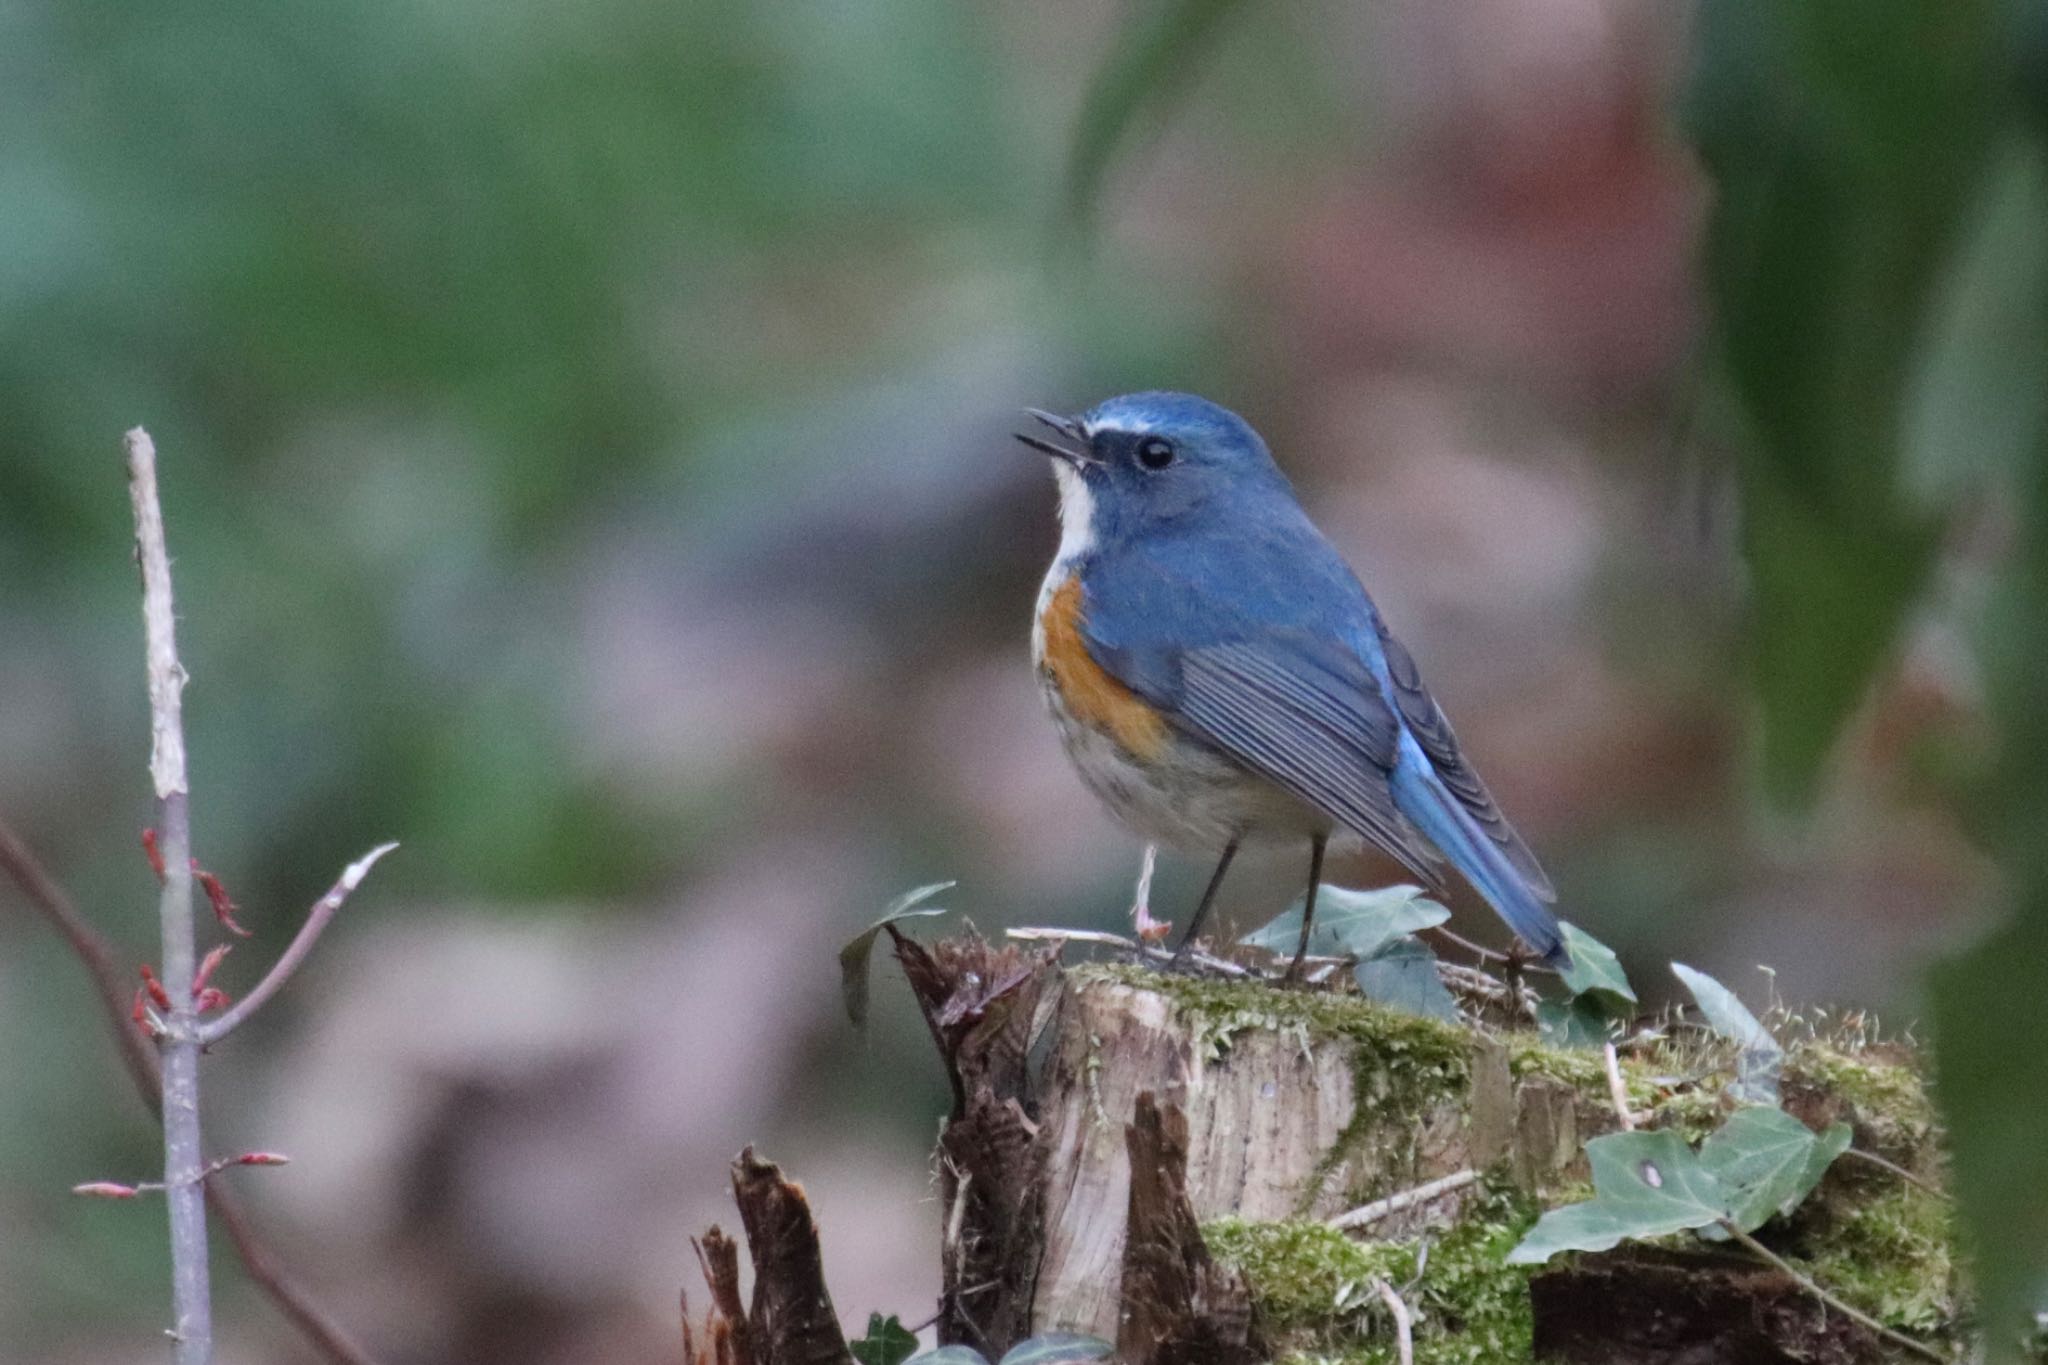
(1179, 1306)
(981, 1004)
(791, 1320)
(727, 1340)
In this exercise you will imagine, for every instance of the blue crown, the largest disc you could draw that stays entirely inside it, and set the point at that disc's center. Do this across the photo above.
(1173, 414)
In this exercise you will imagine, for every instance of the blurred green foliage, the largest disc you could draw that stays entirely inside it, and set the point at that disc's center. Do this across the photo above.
(447, 282)
(1150, 67)
(1846, 140)
(1869, 159)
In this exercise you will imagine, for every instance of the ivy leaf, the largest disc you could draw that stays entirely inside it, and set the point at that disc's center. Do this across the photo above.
(1058, 1348)
(1403, 974)
(853, 958)
(888, 1342)
(1351, 923)
(1645, 1185)
(1577, 1022)
(1769, 1161)
(1596, 972)
(1762, 1058)
(950, 1355)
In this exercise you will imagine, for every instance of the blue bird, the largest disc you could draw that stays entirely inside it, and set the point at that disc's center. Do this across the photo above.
(1219, 675)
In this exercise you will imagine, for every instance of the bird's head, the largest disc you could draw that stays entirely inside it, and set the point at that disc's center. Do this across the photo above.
(1147, 460)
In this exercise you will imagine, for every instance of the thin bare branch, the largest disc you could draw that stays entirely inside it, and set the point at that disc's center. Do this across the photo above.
(1404, 1324)
(1484, 953)
(265, 1269)
(1806, 1282)
(1873, 1159)
(1161, 956)
(317, 920)
(184, 1180)
(1616, 1090)
(108, 1189)
(276, 1280)
(1367, 1214)
(111, 985)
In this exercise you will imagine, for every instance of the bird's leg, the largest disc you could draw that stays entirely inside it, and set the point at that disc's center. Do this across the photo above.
(1180, 953)
(1308, 906)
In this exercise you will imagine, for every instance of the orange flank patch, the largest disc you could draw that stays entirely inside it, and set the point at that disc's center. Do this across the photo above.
(1090, 695)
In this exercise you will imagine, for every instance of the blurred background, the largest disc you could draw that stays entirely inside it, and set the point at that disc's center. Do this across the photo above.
(584, 438)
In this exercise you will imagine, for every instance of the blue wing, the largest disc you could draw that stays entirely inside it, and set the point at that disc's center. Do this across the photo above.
(1253, 668)
(1268, 652)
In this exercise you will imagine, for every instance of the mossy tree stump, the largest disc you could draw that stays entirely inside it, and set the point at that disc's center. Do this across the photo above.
(1222, 1172)
(1299, 1106)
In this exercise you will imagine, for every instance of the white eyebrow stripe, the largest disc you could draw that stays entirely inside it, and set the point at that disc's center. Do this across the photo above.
(1113, 424)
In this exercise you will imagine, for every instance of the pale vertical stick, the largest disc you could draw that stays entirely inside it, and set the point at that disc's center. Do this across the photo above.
(184, 1162)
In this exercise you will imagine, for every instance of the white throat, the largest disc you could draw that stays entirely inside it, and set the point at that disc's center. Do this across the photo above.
(1077, 515)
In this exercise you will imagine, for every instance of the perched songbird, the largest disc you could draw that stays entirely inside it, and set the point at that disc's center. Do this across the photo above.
(1219, 675)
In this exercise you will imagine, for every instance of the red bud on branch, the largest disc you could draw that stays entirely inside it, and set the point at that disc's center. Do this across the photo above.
(207, 965)
(105, 1189)
(156, 990)
(217, 896)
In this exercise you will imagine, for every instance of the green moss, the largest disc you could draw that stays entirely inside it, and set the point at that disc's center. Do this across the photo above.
(1582, 1069)
(1694, 1112)
(1887, 1100)
(1218, 1011)
(1307, 1276)
(1893, 1258)
(1578, 1067)
(1314, 1286)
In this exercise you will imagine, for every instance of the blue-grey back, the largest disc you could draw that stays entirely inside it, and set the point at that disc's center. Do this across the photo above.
(1231, 575)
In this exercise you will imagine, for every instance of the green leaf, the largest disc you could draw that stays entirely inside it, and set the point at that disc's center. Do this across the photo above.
(1769, 1161)
(1403, 974)
(1596, 972)
(888, 1342)
(1058, 1348)
(1989, 1012)
(1761, 1059)
(1351, 923)
(1645, 1185)
(853, 958)
(1152, 64)
(1577, 1022)
(1990, 1015)
(1843, 137)
(950, 1355)
(1976, 404)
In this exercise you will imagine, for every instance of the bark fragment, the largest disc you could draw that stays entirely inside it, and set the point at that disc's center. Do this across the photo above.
(1180, 1306)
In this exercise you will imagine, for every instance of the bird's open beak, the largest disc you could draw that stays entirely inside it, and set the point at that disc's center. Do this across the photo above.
(1075, 454)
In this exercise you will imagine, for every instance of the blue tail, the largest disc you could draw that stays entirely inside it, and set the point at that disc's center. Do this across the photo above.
(1419, 795)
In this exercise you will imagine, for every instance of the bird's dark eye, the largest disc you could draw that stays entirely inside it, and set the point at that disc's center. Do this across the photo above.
(1155, 452)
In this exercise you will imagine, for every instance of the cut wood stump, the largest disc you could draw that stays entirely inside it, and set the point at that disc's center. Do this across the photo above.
(1220, 1172)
